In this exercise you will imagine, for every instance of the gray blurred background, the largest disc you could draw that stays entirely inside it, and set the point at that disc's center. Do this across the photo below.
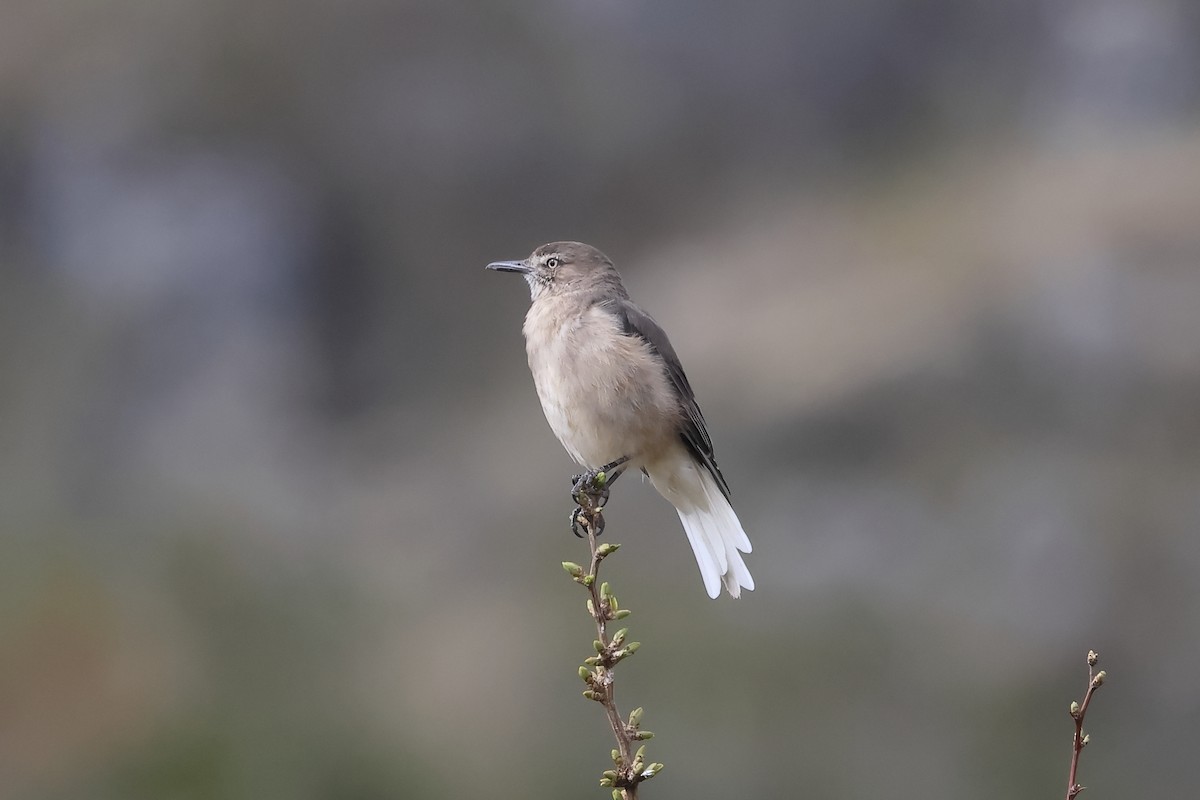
(281, 517)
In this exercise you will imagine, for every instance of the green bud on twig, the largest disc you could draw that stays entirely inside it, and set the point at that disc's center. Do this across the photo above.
(1087, 737)
(585, 673)
(635, 717)
(626, 651)
(607, 549)
(1093, 657)
(588, 580)
(1099, 679)
(598, 645)
(652, 770)
(643, 735)
(616, 757)
(619, 637)
(592, 661)
(1074, 709)
(618, 794)
(622, 613)
(640, 755)
(605, 591)
(606, 782)
(610, 774)
(590, 695)
(573, 569)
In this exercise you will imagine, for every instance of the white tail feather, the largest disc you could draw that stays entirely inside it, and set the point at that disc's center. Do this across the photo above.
(709, 521)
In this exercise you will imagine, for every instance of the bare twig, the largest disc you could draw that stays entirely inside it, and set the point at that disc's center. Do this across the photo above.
(630, 767)
(1078, 711)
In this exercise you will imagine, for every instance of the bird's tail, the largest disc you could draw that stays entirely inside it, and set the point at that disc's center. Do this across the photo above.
(712, 527)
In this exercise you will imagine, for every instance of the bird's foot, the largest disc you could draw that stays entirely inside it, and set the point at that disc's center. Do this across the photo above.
(590, 492)
(597, 481)
(590, 489)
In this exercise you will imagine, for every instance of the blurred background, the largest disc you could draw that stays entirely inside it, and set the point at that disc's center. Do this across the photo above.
(280, 513)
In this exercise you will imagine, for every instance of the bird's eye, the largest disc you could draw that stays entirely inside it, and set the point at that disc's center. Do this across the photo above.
(554, 262)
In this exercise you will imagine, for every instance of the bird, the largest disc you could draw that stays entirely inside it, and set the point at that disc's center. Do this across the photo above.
(615, 395)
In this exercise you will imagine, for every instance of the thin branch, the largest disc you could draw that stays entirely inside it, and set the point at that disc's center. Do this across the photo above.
(1078, 712)
(598, 670)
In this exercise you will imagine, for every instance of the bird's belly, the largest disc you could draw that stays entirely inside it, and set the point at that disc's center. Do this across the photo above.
(606, 404)
(585, 441)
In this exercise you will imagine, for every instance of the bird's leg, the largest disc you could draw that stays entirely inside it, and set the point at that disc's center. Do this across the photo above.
(611, 476)
(590, 492)
(614, 464)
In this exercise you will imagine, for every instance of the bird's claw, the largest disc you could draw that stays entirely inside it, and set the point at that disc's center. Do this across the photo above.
(582, 520)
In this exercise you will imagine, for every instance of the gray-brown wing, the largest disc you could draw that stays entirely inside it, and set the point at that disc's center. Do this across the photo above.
(637, 322)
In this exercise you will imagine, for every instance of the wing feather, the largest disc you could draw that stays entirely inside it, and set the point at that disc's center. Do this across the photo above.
(636, 322)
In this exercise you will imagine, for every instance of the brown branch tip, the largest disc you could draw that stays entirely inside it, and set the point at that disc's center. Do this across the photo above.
(1078, 712)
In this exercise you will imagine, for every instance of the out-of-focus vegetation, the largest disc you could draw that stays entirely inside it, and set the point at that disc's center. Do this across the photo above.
(280, 517)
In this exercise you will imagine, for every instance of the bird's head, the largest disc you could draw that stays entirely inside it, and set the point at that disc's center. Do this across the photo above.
(562, 267)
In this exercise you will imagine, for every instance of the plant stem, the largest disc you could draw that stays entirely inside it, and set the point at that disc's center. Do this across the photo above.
(604, 682)
(630, 767)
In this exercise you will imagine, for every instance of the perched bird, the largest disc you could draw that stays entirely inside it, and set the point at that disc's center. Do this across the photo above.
(616, 396)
